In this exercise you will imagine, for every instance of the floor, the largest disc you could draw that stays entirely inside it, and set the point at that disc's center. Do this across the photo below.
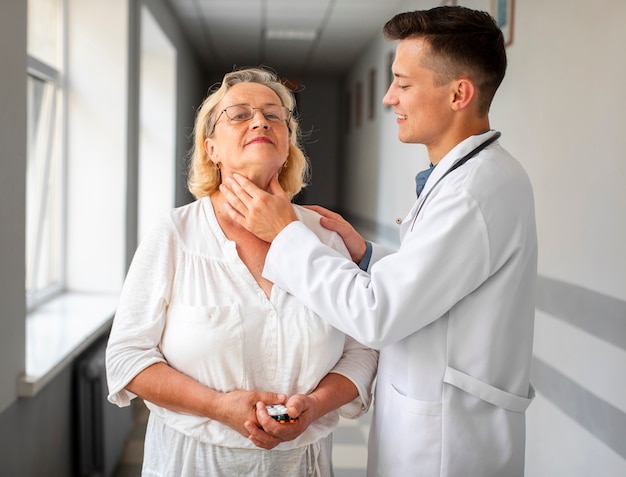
(349, 445)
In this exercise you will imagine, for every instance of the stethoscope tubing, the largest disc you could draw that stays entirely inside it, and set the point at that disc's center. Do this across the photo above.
(474, 152)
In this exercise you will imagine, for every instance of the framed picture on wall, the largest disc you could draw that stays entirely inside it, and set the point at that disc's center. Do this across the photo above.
(347, 110)
(390, 57)
(358, 106)
(502, 11)
(371, 105)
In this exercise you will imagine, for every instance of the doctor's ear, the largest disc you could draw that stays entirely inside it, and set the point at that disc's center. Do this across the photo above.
(463, 93)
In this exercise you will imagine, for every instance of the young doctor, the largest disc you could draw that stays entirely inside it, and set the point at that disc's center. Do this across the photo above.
(452, 310)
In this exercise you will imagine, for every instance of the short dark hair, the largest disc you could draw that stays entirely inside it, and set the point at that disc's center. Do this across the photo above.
(462, 42)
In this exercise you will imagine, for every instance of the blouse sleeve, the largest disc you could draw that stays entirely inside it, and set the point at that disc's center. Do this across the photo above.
(138, 324)
(358, 363)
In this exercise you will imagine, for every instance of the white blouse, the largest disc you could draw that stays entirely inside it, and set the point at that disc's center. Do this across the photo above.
(189, 300)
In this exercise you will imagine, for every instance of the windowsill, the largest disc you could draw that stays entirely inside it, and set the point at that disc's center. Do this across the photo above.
(59, 331)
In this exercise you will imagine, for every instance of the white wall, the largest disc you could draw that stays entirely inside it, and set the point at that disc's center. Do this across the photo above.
(562, 114)
(378, 185)
(188, 85)
(192, 84)
(97, 125)
(157, 120)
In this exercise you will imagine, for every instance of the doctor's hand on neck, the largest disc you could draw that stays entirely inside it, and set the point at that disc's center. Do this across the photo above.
(263, 213)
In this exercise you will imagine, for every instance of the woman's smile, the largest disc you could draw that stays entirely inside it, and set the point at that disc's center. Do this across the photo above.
(260, 140)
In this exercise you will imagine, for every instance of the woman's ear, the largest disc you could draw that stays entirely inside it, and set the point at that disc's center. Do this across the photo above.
(209, 148)
(463, 94)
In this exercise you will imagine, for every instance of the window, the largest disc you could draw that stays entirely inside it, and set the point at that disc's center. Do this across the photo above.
(45, 164)
(77, 160)
(157, 124)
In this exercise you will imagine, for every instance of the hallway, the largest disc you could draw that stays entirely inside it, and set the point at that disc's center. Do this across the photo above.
(349, 445)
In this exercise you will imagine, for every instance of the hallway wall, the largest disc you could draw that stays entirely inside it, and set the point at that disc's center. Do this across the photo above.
(561, 114)
(12, 197)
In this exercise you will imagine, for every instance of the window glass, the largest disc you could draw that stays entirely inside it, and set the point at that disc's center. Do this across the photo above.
(44, 31)
(44, 187)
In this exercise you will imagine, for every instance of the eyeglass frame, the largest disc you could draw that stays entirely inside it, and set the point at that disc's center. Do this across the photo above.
(285, 108)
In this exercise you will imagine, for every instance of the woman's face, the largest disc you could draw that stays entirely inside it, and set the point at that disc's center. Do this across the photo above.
(256, 148)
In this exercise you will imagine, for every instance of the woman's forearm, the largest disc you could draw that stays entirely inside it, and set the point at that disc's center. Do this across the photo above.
(333, 391)
(168, 388)
(164, 386)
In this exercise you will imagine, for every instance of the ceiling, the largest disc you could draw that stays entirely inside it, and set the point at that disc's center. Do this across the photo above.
(294, 37)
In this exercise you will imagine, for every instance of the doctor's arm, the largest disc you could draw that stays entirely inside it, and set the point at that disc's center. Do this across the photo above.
(389, 303)
(363, 253)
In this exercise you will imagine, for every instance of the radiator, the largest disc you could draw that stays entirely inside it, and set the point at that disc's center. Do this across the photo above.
(103, 428)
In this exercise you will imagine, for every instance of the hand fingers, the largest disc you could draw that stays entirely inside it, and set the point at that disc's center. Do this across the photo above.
(324, 212)
(272, 431)
(333, 224)
(268, 423)
(243, 186)
(272, 398)
(263, 416)
(275, 187)
(267, 435)
(295, 405)
(330, 220)
(235, 196)
(261, 438)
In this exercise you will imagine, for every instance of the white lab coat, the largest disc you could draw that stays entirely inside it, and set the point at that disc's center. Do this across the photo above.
(452, 312)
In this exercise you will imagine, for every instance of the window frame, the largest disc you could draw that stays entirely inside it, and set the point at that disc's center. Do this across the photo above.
(39, 70)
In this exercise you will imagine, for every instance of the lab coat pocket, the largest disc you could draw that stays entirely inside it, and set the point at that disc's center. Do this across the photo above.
(488, 393)
(410, 439)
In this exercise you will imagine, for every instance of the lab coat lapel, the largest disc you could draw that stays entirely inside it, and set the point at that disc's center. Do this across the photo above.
(455, 154)
(447, 162)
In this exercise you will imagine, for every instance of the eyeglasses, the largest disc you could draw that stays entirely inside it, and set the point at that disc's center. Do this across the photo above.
(245, 112)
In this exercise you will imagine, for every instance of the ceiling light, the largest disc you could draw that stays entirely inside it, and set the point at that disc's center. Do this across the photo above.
(276, 34)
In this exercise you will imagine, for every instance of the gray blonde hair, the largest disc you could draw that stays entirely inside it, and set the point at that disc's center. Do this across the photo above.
(204, 176)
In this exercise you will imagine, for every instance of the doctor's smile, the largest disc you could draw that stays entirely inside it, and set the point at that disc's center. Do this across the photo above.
(402, 117)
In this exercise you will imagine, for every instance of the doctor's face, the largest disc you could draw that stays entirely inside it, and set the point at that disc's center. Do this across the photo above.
(421, 104)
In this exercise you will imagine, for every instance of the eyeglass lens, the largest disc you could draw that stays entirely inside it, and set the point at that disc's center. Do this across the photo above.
(243, 112)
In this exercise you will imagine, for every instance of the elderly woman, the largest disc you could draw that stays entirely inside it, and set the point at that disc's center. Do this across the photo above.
(206, 341)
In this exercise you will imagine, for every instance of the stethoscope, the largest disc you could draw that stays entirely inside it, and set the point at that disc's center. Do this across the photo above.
(455, 166)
